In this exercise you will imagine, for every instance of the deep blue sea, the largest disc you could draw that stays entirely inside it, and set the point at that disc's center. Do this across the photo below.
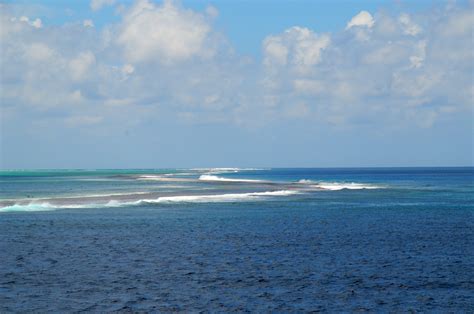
(229, 239)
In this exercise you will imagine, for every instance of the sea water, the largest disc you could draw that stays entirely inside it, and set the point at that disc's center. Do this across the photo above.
(229, 239)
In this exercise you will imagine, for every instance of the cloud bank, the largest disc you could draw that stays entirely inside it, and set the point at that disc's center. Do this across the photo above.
(165, 60)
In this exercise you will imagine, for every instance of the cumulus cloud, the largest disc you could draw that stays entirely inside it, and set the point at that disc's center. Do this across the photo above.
(36, 23)
(276, 52)
(166, 60)
(363, 18)
(409, 27)
(163, 33)
(361, 25)
(297, 46)
(396, 71)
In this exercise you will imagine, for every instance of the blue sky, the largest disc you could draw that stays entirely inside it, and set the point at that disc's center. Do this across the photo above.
(151, 84)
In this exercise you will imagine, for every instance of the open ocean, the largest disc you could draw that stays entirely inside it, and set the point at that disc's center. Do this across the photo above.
(227, 239)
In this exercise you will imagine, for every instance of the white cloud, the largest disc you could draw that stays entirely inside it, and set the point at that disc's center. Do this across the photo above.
(163, 33)
(128, 69)
(363, 18)
(409, 27)
(298, 46)
(388, 74)
(166, 60)
(275, 52)
(99, 4)
(419, 55)
(39, 52)
(389, 53)
(37, 23)
(308, 46)
(80, 65)
(458, 24)
(88, 23)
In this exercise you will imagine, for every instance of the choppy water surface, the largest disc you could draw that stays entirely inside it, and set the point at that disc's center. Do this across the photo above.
(237, 240)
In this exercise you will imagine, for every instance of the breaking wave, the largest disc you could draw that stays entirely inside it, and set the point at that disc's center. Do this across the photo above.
(232, 197)
(208, 177)
(225, 170)
(335, 186)
(162, 178)
(220, 197)
(44, 206)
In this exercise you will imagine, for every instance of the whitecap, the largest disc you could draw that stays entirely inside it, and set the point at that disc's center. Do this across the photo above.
(31, 207)
(221, 197)
(210, 198)
(162, 178)
(305, 181)
(44, 206)
(336, 186)
(208, 177)
(225, 170)
(349, 186)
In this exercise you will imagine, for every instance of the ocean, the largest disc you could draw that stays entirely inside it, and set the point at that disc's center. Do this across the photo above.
(234, 239)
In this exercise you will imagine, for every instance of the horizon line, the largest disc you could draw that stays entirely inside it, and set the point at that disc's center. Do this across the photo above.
(241, 168)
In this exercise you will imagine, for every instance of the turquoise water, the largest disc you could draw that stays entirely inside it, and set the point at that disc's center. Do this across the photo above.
(381, 239)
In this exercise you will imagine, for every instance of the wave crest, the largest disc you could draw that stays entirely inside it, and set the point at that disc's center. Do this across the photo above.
(220, 197)
(208, 177)
(162, 178)
(216, 198)
(337, 186)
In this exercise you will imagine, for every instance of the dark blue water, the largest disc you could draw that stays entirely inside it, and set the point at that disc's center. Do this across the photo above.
(392, 240)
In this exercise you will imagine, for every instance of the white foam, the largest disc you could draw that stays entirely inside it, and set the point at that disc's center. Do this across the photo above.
(208, 177)
(348, 186)
(27, 207)
(233, 197)
(337, 186)
(225, 170)
(216, 170)
(163, 178)
(152, 177)
(221, 197)
(179, 174)
(44, 206)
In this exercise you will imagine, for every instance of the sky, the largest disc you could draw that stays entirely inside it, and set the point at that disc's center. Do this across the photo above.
(164, 84)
